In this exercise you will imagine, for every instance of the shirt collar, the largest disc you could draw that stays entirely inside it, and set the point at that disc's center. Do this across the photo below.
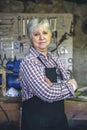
(34, 52)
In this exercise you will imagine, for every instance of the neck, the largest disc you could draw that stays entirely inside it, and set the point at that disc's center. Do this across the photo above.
(43, 52)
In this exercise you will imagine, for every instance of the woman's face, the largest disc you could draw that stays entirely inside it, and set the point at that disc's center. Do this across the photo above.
(41, 38)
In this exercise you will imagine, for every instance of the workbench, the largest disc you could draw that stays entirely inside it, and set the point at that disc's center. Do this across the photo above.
(9, 109)
(75, 109)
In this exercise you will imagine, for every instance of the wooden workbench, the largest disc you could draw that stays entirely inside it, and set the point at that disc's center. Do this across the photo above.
(76, 110)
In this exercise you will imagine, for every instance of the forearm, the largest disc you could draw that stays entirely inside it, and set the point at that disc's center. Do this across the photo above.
(35, 83)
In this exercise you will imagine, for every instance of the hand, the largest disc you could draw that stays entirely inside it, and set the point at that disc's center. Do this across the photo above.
(73, 81)
(47, 80)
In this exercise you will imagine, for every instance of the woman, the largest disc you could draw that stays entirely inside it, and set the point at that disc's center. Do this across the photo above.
(44, 81)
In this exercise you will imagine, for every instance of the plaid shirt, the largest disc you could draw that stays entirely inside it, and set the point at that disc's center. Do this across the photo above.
(31, 76)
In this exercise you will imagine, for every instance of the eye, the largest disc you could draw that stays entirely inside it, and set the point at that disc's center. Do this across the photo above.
(45, 32)
(36, 34)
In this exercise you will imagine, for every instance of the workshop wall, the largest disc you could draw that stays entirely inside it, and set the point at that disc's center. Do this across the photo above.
(59, 6)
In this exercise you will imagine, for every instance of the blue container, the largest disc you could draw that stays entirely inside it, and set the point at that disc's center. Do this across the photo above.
(13, 66)
(16, 66)
(12, 81)
(10, 65)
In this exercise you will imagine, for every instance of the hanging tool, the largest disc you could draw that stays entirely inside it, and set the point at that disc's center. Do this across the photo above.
(21, 47)
(54, 32)
(4, 34)
(6, 21)
(19, 23)
(23, 27)
(51, 25)
(72, 29)
(27, 20)
(64, 37)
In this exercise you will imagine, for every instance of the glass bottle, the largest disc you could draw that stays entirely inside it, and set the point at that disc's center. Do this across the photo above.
(5, 61)
(15, 58)
(1, 61)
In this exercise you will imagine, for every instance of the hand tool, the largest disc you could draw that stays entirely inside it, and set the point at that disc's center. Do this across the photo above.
(19, 31)
(23, 27)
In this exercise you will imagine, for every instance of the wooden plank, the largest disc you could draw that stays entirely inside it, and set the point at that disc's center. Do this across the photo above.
(12, 111)
(3, 86)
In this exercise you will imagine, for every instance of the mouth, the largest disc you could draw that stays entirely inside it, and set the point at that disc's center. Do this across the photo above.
(41, 42)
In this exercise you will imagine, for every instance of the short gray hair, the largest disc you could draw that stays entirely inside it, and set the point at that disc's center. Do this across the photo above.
(35, 22)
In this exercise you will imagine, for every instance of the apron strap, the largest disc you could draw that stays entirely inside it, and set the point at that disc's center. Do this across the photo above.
(43, 62)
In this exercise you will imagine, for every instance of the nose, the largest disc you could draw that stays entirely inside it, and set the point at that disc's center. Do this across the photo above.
(41, 36)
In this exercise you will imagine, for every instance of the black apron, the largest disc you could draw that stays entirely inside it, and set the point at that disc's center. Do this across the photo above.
(40, 115)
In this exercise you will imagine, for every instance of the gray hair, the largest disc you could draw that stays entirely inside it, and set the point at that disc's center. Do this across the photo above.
(34, 23)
